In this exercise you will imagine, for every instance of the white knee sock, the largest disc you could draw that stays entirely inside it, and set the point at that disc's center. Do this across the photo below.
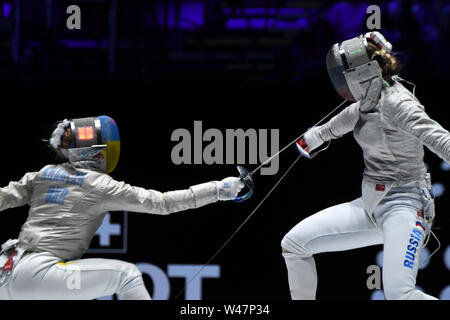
(302, 276)
(136, 293)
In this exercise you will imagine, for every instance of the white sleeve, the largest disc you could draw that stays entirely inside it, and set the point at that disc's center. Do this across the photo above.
(411, 117)
(17, 193)
(121, 196)
(339, 125)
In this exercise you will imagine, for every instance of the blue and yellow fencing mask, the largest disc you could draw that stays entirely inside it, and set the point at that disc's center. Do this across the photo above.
(95, 140)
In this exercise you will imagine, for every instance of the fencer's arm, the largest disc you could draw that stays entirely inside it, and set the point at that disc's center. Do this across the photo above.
(17, 193)
(119, 196)
(411, 117)
(339, 125)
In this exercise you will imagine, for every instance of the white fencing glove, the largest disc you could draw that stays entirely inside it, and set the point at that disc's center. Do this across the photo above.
(229, 188)
(311, 140)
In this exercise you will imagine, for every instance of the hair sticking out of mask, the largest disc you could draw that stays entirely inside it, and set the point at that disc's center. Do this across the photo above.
(388, 62)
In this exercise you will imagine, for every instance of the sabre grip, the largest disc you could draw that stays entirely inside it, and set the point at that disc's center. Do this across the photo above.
(247, 178)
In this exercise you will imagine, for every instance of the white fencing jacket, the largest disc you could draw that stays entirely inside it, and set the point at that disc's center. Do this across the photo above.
(68, 204)
(391, 135)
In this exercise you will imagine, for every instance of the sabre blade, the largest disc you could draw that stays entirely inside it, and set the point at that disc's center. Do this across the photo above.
(262, 201)
(294, 141)
(239, 228)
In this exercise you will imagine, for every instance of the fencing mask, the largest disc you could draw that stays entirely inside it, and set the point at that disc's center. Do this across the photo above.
(95, 140)
(351, 67)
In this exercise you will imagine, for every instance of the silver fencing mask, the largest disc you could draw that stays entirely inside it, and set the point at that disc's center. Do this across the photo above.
(350, 65)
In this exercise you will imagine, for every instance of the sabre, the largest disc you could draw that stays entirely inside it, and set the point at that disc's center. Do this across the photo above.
(295, 140)
(247, 178)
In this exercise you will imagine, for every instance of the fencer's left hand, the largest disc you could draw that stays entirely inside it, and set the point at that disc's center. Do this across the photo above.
(373, 93)
(229, 188)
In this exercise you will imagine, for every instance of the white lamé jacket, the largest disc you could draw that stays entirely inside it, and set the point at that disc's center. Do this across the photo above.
(68, 204)
(391, 133)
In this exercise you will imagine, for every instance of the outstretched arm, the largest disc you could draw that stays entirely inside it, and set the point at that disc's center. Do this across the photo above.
(346, 120)
(339, 125)
(122, 196)
(17, 193)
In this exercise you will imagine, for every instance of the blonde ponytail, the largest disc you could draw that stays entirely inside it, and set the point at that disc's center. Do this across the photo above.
(388, 63)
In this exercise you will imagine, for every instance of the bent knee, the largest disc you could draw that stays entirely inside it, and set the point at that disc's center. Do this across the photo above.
(289, 246)
(130, 276)
(132, 271)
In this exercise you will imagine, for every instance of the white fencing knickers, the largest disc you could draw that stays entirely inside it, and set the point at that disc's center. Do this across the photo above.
(400, 227)
(42, 276)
